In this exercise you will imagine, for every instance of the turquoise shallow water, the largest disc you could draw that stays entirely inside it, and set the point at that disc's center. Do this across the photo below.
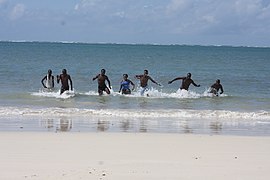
(243, 71)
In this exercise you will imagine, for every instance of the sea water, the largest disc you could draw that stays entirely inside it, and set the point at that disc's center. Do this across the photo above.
(243, 107)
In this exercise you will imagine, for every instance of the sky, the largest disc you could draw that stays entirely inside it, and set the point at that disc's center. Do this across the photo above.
(191, 22)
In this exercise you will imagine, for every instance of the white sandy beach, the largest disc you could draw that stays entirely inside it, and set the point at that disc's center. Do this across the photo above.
(122, 156)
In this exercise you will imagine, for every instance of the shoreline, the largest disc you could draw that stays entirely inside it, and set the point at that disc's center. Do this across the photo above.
(94, 124)
(41, 155)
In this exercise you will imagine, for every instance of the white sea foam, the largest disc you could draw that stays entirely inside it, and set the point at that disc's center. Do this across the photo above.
(154, 93)
(134, 113)
(54, 94)
(151, 93)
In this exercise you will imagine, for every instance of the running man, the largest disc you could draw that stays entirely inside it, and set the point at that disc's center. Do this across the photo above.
(186, 81)
(144, 80)
(125, 85)
(49, 84)
(64, 77)
(101, 82)
(215, 88)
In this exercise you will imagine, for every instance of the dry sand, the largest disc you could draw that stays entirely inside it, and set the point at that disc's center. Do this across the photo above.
(128, 156)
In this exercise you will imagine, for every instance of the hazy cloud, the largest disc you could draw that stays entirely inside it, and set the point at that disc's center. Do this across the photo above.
(178, 6)
(17, 11)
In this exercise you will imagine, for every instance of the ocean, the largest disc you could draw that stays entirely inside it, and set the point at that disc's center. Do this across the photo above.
(243, 108)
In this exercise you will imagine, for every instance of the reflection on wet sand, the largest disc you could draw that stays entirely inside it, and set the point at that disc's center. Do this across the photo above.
(64, 125)
(103, 125)
(187, 129)
(125, 125)
(122, 125)
(48, 123)
(143, 126)
(216, 127)
(140, 125)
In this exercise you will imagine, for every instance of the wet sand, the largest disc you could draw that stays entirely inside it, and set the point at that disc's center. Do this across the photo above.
(239, 127)
(117, 156)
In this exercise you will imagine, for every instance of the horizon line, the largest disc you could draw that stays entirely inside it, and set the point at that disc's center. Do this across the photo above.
(108, 43)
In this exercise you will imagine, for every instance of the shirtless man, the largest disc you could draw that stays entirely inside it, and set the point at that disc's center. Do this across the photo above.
(101, 82)
(186, 81)
(144, 80)
(49, 84)
(64, 77)
(215, 88)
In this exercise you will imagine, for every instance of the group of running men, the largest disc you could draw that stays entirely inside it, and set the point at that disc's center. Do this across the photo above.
(125, 83)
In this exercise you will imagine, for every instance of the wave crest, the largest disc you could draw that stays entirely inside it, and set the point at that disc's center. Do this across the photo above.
(124, 113)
